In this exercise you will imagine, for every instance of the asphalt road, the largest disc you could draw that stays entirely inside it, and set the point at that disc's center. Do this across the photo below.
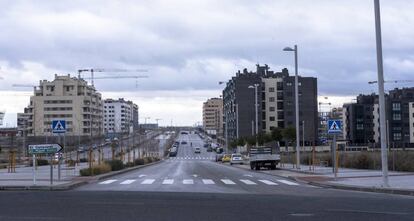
(194, 187)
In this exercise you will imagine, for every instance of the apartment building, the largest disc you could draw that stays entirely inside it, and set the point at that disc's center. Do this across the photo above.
(362, 125)
(120, 116)
(65, 98)
(213, 116)
(276, 103)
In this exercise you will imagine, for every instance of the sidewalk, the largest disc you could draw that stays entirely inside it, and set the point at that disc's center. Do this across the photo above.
(23, 177)
(351, 179)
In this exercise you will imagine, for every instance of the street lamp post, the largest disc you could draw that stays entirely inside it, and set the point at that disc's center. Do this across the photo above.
(384, 157)
(256, 111)
(295, 49)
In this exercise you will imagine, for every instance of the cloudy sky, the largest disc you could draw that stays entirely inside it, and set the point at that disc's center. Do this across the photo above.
(188, 46)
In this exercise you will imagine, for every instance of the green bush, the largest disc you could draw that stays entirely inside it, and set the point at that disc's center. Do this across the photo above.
(40, 162)
(71, 163)
(148, 160)
(130, 164)
(139, 162)
(95, 170)
(115, 164)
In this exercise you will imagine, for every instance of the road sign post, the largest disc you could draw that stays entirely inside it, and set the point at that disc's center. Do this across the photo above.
(59, 127)
(334, 127)
(49, 149)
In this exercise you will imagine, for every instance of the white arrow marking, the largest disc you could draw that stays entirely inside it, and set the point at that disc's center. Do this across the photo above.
(142, 175)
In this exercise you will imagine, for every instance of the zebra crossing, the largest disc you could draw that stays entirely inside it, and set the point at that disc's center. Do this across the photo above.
(190, 158)
(225, 181)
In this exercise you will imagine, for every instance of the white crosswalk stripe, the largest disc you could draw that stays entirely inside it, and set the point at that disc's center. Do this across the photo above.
(268, 182)
(128, 182)
(188, 181)
(107, 182)
(248, 182)
(208, 181)
(288, 182)
(168, 181)
(148, 181)
(227, 181)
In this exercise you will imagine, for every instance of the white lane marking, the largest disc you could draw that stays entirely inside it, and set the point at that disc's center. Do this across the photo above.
(227, 181)
(288, 182)
(268, 182)
(142, 175)
(188, 181)
(128, 181)
(195, 175)
(168, 181)
(248, 182)
(107, 182)
(248, 175)
(208, 181)
(148, 181)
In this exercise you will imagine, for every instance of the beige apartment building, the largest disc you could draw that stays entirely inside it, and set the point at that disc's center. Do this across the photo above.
(213, 116)
(65, 98)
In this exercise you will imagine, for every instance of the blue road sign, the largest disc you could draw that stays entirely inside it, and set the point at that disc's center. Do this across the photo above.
(334, 126)
(59, 126)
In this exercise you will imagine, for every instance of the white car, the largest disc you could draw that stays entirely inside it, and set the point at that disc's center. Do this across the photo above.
(236, 159)
(197, 150)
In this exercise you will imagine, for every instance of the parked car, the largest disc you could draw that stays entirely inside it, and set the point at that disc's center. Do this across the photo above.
(236, 159)
(226, 158)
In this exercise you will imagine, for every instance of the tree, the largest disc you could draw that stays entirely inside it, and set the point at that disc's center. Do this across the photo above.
(276, 134)
(289, 134)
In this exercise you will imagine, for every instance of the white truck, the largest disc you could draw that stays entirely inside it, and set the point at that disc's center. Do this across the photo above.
(263, 157)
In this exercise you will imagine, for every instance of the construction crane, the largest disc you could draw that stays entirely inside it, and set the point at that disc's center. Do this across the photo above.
(93, 70)
(23, 85)
(392, 81)
(122, 77)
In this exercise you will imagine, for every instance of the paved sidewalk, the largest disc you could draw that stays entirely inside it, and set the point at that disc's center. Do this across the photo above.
(24, 176)
(353, 179)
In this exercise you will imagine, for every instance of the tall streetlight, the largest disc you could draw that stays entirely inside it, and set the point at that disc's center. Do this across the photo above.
(295, 49)
(256, 111)
(384, 157)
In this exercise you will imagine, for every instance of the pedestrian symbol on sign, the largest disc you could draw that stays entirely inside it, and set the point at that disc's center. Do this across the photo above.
(59, 126)
(334, 126)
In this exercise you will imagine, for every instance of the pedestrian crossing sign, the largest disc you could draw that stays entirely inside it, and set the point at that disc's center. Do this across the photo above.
(334, 126)
(59, 126)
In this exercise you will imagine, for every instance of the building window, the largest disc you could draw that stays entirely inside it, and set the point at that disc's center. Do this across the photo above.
(271, 99)
(272, 118)
(396, 106)
(397, 136)
(271, 89)
(360, 126)
(271, 109)
(396, 116)
(289, 84)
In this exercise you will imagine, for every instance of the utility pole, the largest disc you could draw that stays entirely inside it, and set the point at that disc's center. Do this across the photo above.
(384, 157)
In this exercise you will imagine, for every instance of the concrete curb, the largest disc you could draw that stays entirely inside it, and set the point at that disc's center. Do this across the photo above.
(364, 189)
(114, 173)
(61, 187)
(75, 183)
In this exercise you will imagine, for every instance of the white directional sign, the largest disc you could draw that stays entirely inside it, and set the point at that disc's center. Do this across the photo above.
(59, 126)
(44, 148)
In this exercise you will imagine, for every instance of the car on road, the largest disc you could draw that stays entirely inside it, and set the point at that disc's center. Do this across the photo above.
(226, 158)
(236, 159)
(197, 150)
(219, 150)
(209, 149)
(183, 142)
